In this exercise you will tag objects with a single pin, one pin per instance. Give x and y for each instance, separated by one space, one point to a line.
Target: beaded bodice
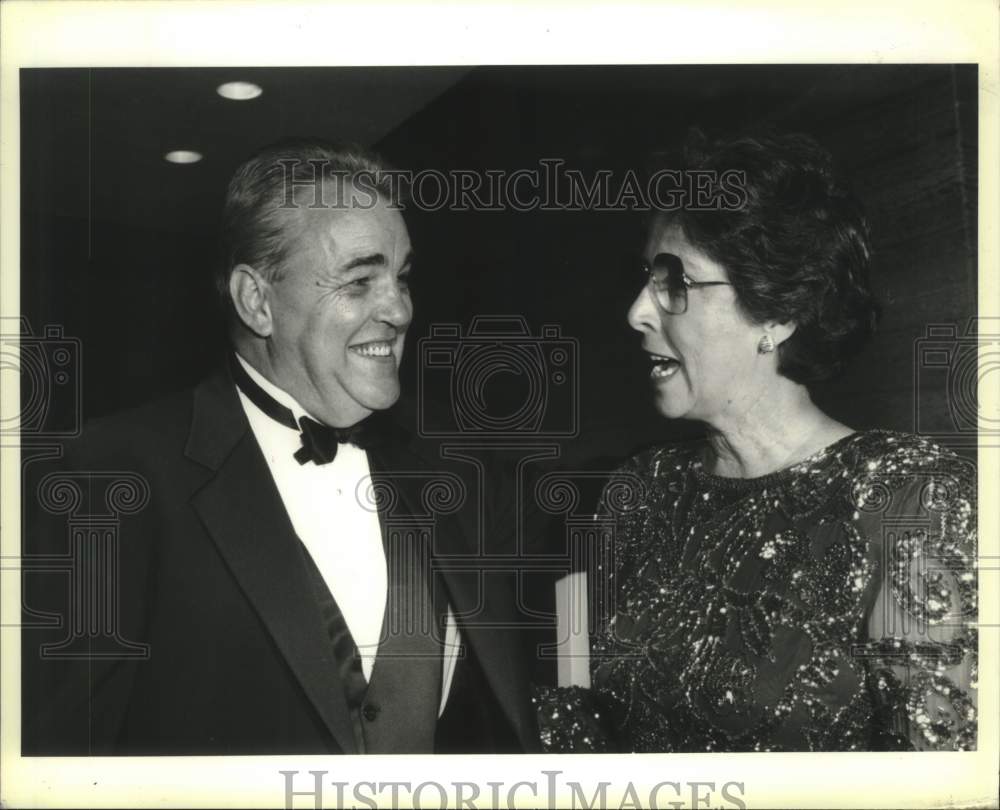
828 606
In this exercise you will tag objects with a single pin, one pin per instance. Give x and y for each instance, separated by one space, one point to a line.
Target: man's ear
249 291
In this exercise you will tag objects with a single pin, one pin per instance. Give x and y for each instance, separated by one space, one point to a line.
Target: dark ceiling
99 135
111 128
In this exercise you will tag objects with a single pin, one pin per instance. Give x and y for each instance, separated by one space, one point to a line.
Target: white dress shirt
344 538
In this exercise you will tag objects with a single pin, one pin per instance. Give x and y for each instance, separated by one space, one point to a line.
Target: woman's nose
643 315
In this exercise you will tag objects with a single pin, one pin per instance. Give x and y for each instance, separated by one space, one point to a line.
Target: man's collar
278 394
219 422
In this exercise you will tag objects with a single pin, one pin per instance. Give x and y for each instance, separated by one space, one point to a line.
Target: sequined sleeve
570 720
922 628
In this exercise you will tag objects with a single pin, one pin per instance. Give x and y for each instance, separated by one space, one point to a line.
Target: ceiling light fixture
183 156
239 91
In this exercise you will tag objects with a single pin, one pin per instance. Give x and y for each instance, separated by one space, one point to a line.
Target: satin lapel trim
244 515
497 654
501 658
382 463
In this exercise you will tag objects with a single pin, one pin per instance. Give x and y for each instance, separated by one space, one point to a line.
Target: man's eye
360 283
403 279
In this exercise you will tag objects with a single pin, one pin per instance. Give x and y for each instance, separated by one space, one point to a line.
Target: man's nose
395 307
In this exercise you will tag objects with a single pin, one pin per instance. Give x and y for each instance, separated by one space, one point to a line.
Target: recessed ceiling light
183 156
239 91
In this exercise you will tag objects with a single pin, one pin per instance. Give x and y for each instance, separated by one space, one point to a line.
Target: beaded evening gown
829 606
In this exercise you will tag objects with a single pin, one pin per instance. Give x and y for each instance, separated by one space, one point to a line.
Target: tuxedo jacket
202 634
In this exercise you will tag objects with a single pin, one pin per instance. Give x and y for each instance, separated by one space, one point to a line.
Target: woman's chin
672 407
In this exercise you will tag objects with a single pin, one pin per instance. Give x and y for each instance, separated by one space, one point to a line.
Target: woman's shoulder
886 462
886 452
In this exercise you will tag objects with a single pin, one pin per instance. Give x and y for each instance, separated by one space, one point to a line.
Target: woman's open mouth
663 367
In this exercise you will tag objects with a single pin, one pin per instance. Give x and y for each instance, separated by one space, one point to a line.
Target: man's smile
374 348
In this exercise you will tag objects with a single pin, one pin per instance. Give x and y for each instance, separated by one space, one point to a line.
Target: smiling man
324 319
279 590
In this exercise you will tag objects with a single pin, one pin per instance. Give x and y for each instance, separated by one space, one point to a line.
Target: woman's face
704 361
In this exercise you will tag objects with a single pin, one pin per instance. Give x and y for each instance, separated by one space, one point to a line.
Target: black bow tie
319 441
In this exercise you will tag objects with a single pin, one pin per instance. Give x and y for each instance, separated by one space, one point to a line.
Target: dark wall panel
901 133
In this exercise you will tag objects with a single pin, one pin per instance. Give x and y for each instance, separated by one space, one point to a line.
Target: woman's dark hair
797 249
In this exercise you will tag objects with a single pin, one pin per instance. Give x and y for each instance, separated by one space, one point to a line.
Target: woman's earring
765 345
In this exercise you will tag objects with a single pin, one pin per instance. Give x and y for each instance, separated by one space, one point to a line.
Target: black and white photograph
396 430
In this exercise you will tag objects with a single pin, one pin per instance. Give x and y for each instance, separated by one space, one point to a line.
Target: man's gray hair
275 179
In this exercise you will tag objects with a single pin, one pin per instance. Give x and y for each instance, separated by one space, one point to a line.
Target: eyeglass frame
687 283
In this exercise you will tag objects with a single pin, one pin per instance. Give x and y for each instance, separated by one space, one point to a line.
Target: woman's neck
782 429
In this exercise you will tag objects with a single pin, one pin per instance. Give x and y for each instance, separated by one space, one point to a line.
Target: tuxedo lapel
392 467
494 638
501 658
245 517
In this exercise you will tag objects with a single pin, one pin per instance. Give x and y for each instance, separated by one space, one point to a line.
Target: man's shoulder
139 448
150 417
158 426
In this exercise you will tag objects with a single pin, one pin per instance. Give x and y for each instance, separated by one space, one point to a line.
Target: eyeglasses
670 284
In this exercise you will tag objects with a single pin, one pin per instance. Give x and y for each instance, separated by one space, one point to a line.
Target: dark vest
396 711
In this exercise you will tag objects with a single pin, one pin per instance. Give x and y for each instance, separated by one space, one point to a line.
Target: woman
788 583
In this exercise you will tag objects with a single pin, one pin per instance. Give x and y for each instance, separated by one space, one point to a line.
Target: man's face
340 311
